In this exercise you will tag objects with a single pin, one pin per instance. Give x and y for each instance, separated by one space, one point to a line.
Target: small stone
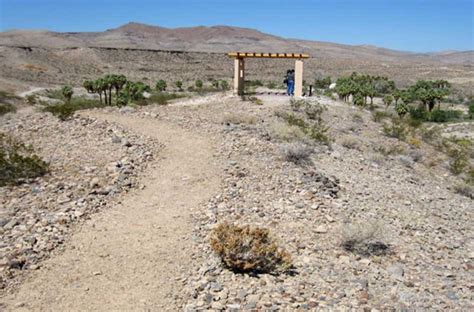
321 229
396 271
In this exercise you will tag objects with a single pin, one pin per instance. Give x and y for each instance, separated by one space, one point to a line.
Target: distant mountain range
217 39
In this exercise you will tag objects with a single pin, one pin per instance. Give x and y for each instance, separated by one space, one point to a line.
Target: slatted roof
267 55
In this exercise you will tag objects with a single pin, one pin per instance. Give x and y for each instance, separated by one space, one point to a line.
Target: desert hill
213 39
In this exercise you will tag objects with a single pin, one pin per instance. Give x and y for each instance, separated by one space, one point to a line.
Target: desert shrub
67 92
314 111
179 85
396 129
62 111
18 162
285 132
322 83
314 129
271 85
445 115
66 110
224 85
459 161
429 135
413 141
365 238
162 98
350 143
249 249
357 118
297 104
31 99
296 152
161 85
465 190
7 108
471 111
55 94
199 84
239 118
420 114
391 149
253 83
378 116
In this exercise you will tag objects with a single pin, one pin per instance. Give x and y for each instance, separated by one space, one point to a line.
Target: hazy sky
411 25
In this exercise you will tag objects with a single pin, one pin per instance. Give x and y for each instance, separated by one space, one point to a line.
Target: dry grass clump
364 238
239 118
465 190
296 152
284 132
249 249
350 143
18 163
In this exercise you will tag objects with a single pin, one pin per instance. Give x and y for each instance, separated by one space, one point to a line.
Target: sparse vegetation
161 85
237 119
249 249
67 92
396 129
296 152
179 85
465 190
66 110
7 108
365 238
18 162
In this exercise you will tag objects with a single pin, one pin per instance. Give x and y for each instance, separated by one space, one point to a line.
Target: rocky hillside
215 39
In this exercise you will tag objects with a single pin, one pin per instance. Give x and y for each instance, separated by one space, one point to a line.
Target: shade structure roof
267 55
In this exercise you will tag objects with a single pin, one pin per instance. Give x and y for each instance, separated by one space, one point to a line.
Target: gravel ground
425 225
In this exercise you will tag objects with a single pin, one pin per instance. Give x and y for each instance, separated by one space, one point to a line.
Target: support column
299 78
239 76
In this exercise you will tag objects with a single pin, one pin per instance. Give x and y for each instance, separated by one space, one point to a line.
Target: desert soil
149 249
127 257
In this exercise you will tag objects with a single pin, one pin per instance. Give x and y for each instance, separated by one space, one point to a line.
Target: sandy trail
129 256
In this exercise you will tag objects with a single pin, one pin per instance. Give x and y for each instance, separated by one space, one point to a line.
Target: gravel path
128 257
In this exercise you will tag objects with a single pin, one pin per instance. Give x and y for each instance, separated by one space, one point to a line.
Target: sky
408 25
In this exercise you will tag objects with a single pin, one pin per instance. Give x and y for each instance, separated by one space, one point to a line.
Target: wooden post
299 78
239 76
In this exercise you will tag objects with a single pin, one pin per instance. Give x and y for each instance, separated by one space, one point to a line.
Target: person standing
290 82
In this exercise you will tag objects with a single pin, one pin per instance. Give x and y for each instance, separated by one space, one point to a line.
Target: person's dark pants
290 87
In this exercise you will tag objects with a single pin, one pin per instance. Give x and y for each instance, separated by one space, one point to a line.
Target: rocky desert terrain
374 215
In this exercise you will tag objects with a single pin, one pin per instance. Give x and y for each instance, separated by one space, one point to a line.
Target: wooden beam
267 55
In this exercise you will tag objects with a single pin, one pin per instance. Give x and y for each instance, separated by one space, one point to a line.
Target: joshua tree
67 92
388 99
179 85
161 85
215 84
89 86
199 84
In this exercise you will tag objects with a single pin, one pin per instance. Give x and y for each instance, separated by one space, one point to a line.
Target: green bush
67 92
18 162
396 129
179 85
435 115
162 98
471 111
249 249
66 110
378 116
199 84
7 108
445 115
161 85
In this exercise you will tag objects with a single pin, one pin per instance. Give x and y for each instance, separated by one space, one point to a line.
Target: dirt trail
129 256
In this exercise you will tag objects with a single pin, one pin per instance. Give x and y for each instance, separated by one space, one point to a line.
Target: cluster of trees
125 90
361 87
161 85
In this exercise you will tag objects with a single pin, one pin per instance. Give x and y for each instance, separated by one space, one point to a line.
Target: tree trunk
110 96
100 96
